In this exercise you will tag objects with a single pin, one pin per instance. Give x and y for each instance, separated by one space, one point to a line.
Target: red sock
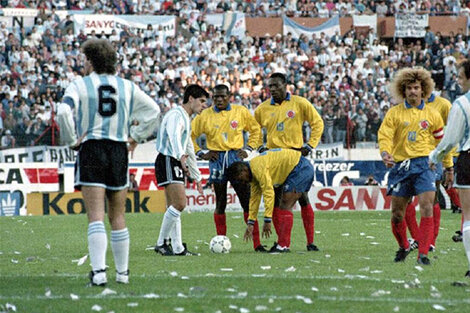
426 234
220 224
308 217
276 221
454 196
286 218
410 218
256 241
436 214
399 231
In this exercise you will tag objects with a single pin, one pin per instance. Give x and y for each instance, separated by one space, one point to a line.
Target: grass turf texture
353 272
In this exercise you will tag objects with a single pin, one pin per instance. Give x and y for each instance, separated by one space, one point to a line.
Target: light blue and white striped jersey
174 133
174 139
457 131
105 107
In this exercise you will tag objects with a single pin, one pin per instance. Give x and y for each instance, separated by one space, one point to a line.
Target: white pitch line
237 276
260 297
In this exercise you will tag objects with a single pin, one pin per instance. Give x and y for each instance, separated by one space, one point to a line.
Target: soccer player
283 116
283 168
96 117
223 125
442 105
458 133
407 135
175 161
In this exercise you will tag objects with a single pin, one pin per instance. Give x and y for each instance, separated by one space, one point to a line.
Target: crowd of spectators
253 8
344 77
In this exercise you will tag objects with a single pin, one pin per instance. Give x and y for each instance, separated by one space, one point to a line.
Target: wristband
251 222
308 147
383 154
267 220
449 169
200 153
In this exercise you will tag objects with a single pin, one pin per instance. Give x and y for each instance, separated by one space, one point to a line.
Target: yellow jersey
224 128
283 122
442 105
409 132
270 169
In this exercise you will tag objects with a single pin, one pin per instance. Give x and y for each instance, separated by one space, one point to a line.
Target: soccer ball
220 244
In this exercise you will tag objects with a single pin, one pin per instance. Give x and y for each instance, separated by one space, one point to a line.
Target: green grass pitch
353 272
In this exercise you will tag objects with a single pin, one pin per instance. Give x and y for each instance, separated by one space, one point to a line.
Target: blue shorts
411 177
301 177
439 171
217 168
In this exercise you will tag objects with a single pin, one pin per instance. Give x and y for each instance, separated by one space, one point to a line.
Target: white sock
97 245
120 246
175 235
466 239
169 219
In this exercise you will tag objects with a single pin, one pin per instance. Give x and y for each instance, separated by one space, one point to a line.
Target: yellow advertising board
60 203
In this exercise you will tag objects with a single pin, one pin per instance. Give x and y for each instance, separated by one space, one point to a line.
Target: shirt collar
409 106
286 99
228 108
432 98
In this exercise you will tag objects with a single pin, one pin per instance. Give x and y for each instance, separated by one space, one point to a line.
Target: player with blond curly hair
408 134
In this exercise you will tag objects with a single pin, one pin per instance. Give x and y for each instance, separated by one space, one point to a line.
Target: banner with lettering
164 25
51 154
411 25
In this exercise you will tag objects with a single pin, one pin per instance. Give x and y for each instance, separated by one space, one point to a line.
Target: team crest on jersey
424 124
290 114
234 124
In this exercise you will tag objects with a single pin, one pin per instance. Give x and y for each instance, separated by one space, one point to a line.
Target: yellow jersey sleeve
196 131
316 124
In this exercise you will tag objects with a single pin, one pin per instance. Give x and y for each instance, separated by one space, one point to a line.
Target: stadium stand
344 76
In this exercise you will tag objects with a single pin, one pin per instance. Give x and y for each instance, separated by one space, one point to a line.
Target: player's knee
397 217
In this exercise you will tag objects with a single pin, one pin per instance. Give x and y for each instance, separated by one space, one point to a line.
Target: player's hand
242 154
248 233
131 144
432 166
210 156
183 164
199 187
267 230
305 151
388 160
77 145
449 178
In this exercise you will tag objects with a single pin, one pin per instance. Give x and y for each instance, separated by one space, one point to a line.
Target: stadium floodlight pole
52 127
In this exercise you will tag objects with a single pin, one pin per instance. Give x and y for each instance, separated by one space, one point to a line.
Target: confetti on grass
96 307
10 307
81 261
438 307
108 291
74 296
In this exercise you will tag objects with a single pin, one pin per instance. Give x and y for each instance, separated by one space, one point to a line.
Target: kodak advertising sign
59 203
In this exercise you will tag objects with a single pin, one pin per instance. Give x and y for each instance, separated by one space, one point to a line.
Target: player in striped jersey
175 160
442 105
458 134
223 125
409 132
96 117
283 116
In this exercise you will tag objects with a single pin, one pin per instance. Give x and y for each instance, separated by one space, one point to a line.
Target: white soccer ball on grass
220 244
